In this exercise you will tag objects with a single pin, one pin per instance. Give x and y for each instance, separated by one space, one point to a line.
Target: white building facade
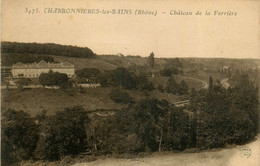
34 70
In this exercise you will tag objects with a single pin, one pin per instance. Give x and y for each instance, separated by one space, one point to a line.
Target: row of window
34 75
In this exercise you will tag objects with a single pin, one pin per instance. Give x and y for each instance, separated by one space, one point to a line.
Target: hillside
46 48
35 100
109 63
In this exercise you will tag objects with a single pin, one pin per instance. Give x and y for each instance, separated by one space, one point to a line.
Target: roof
42 65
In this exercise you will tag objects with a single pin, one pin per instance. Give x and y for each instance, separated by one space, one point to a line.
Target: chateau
34 70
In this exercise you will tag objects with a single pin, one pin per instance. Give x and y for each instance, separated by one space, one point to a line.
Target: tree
122 77
172 86
143 83
87 72
183 88
160 88
210 83
19 135
24 82
53 78
226 116
105 79
168 72
63 134
150 121
120 96
178 130
151 60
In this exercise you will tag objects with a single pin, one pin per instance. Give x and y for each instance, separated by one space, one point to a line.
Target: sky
164 34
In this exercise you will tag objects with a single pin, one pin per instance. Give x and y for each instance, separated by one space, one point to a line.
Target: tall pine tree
151 60
210 83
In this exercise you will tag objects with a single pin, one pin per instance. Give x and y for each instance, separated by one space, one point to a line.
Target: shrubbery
225 116
120 96
160 88
168 72
19 135
122 77
87 73
62 134
175 88
53 78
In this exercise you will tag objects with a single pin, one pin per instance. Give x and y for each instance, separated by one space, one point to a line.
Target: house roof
42 65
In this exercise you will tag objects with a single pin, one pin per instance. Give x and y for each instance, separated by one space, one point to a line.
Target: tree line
47 48
8 59
118 77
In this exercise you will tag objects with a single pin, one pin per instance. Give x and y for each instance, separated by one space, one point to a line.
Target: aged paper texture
95 82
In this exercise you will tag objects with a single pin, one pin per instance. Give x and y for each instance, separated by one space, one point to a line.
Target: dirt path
225 157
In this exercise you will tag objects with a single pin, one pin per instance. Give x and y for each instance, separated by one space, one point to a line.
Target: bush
160 88
119 96
183 88
172 86
168 72
87 72
222 128
24 82
178 134
122 77
144 84
175 88
19 135
51 78
63 134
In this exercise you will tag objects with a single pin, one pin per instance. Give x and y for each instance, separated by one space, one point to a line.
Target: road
187 102
204 86
224 157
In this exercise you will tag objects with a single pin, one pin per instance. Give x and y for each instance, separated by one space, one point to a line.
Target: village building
6 71
33 70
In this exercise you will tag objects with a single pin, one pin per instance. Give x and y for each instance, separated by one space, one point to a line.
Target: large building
34 70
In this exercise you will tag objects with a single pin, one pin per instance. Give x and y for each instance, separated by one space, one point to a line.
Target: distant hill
8 59
47 48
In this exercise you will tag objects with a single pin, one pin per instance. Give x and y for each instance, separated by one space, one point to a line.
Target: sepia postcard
130 82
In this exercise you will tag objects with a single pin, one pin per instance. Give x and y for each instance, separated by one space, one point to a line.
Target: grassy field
35 100
107 62
87 63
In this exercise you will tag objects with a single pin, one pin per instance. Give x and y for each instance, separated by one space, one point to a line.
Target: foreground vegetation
220 117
